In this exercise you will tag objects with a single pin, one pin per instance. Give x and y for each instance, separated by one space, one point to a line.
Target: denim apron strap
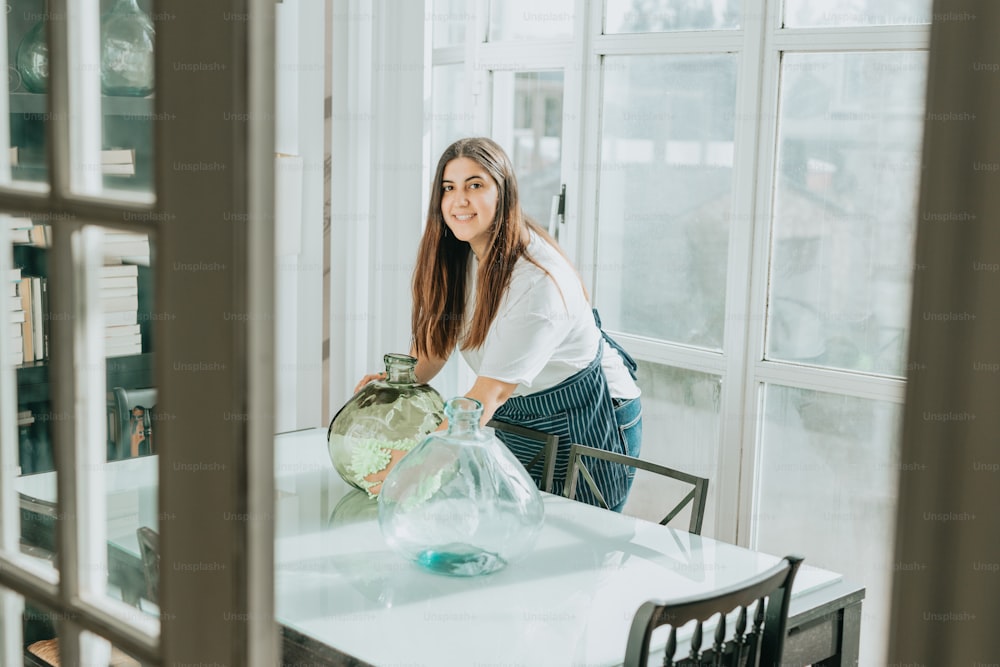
626 357
577 410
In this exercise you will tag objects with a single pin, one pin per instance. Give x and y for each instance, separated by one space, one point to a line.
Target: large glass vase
391 414
460 503
32 57
126 51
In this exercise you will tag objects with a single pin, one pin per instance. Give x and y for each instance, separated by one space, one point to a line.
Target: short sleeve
531 323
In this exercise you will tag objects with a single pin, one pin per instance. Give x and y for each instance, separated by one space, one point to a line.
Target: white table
569 602
340 592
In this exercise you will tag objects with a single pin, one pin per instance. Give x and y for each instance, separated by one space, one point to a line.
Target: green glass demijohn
127 38
32 58
384 415
460 503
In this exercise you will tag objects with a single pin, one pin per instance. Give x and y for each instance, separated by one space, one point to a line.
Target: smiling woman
493 284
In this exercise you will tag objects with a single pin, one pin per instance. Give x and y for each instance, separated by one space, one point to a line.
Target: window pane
27 80
828 473
27 305
665 184
528 123
449 19
127 85
27 628
447 118
845 208
624 16
128 487
531 19
837 13
685 405
30 634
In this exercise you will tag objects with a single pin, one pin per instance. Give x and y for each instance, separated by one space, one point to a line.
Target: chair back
149 550
547 444
130 414
696 497
757 644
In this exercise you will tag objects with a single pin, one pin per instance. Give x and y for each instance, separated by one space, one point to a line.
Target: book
115 292
119 270
45 319
122 350
116 282
27 327
120 304
122 331
118 156
38 319
41 236
118 169
113 319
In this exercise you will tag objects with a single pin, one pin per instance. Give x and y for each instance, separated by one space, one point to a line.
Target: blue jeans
628 414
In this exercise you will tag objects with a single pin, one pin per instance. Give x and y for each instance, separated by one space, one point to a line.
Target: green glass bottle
127 38
385 415
32 57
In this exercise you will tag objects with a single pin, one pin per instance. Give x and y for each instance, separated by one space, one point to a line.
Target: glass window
527 120
627 16
512 20
27 81
448 19
685 405
447 117
837 13
850 130
828 466
665 184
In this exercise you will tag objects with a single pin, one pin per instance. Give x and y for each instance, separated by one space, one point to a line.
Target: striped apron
578 410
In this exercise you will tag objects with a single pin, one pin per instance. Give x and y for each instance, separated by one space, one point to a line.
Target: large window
742 186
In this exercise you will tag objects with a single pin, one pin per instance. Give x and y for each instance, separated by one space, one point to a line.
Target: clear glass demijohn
384 415
460 503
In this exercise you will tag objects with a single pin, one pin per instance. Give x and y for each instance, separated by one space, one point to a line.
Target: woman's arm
491 393
427 366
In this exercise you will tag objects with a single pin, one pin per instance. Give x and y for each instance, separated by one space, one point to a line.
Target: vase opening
400 368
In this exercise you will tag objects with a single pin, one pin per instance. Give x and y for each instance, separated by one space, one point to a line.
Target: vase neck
463 415
400 369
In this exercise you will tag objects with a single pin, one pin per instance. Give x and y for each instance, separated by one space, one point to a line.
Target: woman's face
469 202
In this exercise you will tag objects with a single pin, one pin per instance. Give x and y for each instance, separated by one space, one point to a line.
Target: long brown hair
440 276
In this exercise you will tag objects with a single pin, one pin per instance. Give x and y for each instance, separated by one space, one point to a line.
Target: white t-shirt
544 330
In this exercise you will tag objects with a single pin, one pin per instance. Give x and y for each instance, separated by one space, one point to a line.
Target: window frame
192 629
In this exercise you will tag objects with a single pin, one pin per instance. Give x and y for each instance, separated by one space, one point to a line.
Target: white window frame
224 615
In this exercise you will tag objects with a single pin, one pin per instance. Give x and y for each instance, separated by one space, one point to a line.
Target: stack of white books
12 298
120 303
124 252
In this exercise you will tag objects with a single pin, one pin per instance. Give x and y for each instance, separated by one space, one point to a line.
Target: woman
493 284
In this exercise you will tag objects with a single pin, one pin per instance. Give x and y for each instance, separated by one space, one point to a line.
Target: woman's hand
369 378
376 478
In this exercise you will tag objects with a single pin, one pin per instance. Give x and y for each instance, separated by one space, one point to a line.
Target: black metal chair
760 645
546 455
696 497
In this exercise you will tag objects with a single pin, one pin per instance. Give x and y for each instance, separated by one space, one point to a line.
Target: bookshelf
126 164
